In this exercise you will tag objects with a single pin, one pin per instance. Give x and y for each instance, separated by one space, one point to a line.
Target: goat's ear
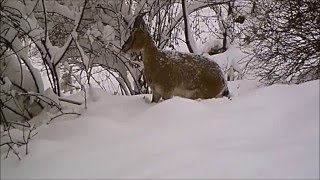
139 22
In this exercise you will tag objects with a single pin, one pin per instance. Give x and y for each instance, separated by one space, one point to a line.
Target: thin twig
51 119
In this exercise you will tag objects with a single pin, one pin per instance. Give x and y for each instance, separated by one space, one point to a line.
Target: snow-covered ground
262 133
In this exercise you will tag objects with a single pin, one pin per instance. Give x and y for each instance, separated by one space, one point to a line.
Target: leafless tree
285 40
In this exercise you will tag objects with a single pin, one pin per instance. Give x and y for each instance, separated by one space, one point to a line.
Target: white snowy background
261 133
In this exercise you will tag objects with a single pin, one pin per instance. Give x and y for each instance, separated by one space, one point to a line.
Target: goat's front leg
155 96
167 95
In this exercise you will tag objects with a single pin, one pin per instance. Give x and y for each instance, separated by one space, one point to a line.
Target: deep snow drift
269 132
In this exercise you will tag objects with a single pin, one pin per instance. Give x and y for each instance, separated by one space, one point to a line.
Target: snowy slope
269 132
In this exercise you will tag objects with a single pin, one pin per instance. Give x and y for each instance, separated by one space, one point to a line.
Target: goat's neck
149 51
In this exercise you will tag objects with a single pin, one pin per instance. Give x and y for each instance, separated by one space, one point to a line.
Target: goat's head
136 41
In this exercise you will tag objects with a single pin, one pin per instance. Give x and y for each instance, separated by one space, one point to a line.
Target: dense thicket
285 40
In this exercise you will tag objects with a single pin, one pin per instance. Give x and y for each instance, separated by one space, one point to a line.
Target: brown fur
176 74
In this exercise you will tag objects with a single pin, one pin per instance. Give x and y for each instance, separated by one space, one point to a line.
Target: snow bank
232 57
265 133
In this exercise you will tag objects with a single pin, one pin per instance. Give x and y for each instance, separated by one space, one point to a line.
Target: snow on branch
191 44
192 7
84 57
55 7
62 51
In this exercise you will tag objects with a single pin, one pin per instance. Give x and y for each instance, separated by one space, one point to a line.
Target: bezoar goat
171 73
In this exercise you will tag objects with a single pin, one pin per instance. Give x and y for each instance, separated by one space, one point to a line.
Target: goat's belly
184 93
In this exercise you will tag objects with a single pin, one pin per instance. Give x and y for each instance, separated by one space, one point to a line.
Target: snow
232 57
262 133
20 74
53 6
5 85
